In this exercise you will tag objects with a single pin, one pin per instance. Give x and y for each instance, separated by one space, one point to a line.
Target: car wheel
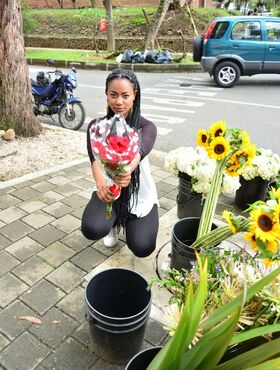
197 48
226 74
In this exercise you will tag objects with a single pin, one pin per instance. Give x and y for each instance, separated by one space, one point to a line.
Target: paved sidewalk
45 262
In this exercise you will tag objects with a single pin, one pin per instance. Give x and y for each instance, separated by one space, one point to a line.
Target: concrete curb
110 66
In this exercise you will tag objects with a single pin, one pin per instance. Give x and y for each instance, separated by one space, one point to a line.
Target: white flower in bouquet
265 164
230 184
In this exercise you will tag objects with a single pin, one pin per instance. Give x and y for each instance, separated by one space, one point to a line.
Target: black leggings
141 232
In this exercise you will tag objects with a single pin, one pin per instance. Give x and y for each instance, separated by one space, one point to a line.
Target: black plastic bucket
118 305
143 359
189 203
250 191
183 235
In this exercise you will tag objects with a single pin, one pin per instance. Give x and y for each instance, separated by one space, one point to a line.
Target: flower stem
211 201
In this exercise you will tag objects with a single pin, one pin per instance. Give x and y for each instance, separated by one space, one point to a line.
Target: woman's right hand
104 193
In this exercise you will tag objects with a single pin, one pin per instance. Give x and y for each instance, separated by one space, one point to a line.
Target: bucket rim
180 221
140 352
113 317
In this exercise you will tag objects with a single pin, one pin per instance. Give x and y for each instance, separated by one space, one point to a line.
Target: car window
219 30
273 31
246 31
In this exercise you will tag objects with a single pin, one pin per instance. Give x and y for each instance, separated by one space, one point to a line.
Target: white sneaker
111 240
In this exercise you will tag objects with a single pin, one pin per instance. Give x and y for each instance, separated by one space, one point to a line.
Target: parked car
237 46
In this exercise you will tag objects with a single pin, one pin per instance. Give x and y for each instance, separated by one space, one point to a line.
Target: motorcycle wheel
75 119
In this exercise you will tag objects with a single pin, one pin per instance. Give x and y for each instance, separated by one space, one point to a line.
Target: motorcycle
56 97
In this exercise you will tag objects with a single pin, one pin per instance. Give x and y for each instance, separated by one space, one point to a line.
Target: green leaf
256 332
252 357
229 307
268 365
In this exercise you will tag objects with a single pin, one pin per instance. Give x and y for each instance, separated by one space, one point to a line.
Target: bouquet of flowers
265 164
115 144
194 165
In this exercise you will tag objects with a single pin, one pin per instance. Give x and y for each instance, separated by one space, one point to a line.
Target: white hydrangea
265 164
196 163
230 184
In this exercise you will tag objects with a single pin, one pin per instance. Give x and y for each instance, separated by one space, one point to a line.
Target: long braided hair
124 204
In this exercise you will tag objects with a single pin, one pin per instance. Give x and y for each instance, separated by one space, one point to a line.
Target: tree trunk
155 23
110 26
16 102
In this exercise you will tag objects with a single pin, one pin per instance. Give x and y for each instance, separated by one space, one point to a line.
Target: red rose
118 144
115 189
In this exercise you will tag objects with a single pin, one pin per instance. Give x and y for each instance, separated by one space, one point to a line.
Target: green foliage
276 12
205 15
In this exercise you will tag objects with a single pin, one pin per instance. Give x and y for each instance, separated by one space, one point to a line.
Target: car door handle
271 47
235 45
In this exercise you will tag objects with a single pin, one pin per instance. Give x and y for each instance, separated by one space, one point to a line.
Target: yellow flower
250 236
245 138
218 148
227 216
202 138
276 214
272 246
217 129
275 194
233 170
265 228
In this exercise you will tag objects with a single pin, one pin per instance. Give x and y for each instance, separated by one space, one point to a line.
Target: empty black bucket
250 191
118 306
183 235
143 359
189 203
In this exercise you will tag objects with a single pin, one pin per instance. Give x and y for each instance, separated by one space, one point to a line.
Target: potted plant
264 168
195 170
201 342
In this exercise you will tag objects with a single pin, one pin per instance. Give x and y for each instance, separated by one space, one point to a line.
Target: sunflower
218 148
276 214
233 170
275 194
217 129
265 228
272 246
228 217
250 236
245 138
202 138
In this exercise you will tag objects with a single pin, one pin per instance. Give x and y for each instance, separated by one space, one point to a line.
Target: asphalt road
182 103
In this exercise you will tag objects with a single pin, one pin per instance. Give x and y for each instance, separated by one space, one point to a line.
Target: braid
122 205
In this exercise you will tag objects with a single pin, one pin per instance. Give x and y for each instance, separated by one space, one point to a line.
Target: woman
137 207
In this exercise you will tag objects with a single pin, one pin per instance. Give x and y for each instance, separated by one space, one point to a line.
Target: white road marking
175 102
178 91
166 109
165 119
163 131
92 86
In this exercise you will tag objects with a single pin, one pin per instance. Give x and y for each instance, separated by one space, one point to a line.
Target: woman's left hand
123 179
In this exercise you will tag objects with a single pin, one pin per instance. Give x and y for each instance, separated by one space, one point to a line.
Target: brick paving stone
42 296
66 277
4 242
54 328
50 197
32 205
25 353
171 180
3 342
82 333
8 200
78 212
25 193
70 355
57 209
39 179
38 219
43 186
59 180
167 203
2 224
7 262
7 190
165 187
75 201
99 246
32 270
11 214
161 212
76 240
73 175
101 365
16 230
172 194
161 173
11 324
88 258
23 184
56 253
24 248
67 223
86 170
154 333
82 183
10 289
87 193
47 235
67 190
74 304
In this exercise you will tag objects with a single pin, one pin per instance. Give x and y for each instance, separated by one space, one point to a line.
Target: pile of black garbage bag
147 56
